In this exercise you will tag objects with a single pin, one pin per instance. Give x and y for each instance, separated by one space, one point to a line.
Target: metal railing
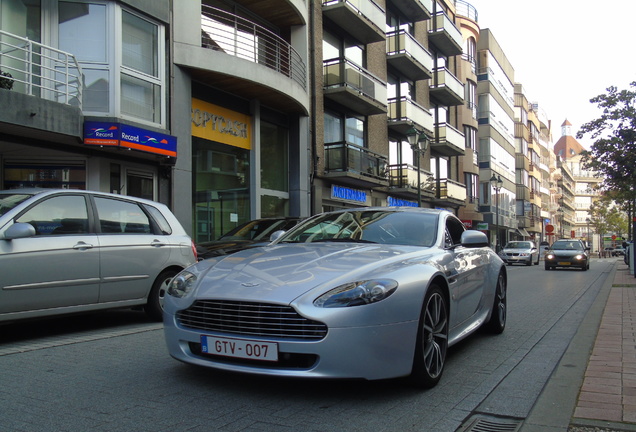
239 37
405 175
341 72
347 157
39 70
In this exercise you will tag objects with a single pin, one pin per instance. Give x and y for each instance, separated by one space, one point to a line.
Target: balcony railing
38 70
409 55
450 141
351 158
445 35
405 113
405 176
239 37
450 189
447 88
364 19
341 74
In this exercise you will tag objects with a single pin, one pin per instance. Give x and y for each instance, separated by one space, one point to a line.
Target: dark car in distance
247 235
567 253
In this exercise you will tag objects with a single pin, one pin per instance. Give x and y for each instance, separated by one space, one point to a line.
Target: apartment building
240 105
85 103
203 105
389 72
495 93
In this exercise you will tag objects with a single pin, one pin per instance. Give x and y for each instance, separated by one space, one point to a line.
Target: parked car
520 252
567 253
247 235
618 251
77 251
367 293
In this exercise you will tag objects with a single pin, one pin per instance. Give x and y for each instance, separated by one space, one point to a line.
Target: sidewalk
594 385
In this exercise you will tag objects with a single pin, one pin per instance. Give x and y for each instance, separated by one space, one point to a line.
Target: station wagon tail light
357 293
194 251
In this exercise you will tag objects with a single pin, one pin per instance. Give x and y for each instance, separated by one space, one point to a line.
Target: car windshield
368 226
256 229
9 201
567 245
518 245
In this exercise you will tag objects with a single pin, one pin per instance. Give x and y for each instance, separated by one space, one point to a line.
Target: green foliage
613 154
5 80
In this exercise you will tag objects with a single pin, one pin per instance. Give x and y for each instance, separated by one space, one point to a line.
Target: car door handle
82 246
157 243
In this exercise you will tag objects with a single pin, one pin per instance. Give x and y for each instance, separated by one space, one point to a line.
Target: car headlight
182 284
357 293
579 257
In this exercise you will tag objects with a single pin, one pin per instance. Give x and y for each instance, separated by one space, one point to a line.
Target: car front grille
250 319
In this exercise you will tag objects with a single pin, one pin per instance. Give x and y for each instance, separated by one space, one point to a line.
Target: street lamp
587 220
419 143
496 183
561 217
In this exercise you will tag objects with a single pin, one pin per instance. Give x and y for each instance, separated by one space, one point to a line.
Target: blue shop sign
122 135
397 202
348 194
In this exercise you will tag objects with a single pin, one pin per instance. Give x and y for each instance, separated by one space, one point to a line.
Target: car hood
516 250
282 273
566 252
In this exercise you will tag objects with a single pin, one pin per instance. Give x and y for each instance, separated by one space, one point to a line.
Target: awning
523 232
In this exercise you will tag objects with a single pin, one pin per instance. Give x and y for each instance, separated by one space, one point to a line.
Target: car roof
48 191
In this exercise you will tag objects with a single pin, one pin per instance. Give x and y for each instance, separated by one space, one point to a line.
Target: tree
613 153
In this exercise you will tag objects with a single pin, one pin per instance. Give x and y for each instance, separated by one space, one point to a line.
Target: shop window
44 175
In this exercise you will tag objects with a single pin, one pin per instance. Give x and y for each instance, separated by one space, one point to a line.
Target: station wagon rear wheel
154 307
432 340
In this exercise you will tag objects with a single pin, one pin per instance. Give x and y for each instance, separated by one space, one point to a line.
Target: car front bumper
369 352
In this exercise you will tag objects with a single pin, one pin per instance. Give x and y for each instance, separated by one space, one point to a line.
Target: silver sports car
367 293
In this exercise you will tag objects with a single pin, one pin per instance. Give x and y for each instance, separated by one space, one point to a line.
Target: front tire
497 322
432 340
154 307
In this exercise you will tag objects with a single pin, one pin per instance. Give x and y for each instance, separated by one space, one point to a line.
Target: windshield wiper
343 240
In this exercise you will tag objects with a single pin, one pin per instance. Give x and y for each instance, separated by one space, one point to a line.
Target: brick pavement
608 393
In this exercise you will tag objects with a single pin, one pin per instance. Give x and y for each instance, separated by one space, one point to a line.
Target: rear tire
154 306
497 322
432 340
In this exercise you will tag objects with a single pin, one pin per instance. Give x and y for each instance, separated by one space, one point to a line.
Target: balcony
446 88
354 87
355 165
449 141
362 19
405 114
416 10
408 56
246 59
452 192
38 70
403 180
445 35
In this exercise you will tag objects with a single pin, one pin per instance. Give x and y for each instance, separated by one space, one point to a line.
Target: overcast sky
565 52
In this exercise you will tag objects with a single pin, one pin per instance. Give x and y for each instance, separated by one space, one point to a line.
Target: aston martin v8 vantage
369 293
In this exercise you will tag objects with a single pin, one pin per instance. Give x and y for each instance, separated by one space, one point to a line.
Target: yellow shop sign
215 123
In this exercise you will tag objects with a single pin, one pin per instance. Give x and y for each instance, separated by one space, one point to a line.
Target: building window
131 86
343 127
141 87
472 187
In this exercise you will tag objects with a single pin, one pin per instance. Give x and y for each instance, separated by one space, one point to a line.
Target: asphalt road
111 372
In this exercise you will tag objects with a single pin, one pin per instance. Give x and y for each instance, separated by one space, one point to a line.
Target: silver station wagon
64 251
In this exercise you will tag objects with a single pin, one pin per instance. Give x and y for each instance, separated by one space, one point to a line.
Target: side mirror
276 235
474 238
19 230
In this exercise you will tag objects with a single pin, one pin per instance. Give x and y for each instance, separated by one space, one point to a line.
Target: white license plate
240 348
